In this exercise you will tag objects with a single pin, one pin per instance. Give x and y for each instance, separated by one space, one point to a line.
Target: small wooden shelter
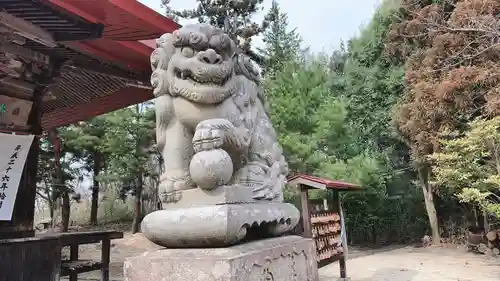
323 221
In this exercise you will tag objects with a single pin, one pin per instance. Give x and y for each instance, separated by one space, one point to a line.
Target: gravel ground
394 263
418 264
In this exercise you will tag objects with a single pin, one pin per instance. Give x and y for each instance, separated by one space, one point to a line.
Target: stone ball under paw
211 168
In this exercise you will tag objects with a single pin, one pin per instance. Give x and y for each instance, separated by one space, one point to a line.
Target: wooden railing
74 265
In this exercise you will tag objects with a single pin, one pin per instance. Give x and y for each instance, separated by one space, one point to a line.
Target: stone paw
171 188
207 138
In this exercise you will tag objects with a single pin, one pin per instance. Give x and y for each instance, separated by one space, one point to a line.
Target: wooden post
306 211
23 215
338 208
73 256
105 255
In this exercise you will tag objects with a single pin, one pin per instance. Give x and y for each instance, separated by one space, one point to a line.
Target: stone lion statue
213 128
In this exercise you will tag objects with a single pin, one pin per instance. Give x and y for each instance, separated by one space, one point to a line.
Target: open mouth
186 74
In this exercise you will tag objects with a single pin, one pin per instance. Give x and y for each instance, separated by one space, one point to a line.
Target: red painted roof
127 25
126 22
321 183
150 43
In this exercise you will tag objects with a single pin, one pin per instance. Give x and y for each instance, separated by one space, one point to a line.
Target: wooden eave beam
66 5
27 30
26 54
95 52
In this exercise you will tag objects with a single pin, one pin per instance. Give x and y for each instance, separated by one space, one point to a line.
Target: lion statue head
195 62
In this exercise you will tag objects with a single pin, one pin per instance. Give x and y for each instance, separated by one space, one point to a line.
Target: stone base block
289 258
199 197
218 225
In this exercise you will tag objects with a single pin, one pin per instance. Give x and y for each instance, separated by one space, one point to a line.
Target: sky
322 24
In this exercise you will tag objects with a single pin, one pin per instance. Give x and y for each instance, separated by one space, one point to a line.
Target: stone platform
288 258
218 225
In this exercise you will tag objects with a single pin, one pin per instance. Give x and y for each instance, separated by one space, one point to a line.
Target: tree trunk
95 188
57 211
138 205
60 185
54 201
51 211
65 211
486 224
423 176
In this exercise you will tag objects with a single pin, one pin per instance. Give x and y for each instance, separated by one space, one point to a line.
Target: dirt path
129 246
418 264
387 264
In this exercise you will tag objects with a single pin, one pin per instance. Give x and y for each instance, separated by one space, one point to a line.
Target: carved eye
187 52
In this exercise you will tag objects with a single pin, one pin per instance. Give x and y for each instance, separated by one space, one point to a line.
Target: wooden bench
74 265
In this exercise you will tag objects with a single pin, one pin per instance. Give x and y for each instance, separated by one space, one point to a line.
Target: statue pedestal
289 258
218 225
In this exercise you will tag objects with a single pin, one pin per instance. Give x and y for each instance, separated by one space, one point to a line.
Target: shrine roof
106 70
123 20
312 182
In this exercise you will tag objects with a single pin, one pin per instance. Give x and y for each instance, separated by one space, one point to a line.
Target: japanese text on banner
13 153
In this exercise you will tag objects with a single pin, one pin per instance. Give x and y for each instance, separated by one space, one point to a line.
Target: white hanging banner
13 153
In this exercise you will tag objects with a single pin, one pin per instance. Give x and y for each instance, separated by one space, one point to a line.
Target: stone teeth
186 74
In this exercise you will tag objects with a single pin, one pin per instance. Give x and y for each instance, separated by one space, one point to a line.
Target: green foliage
374 218
85 140
313 134
49 186
333 115
127 140
281 45
368 48
373 84
469 165
363 169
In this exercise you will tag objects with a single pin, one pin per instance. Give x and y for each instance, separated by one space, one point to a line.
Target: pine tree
127 140
56 178
87 140
281 45
169 12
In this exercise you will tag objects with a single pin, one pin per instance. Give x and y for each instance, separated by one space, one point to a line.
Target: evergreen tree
169 12
56 179
315 133
86 138
127 141
281 45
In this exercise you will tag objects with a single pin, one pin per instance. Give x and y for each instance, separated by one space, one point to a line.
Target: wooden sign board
14 112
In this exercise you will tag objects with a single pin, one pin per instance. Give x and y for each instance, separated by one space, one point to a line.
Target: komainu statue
224 169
